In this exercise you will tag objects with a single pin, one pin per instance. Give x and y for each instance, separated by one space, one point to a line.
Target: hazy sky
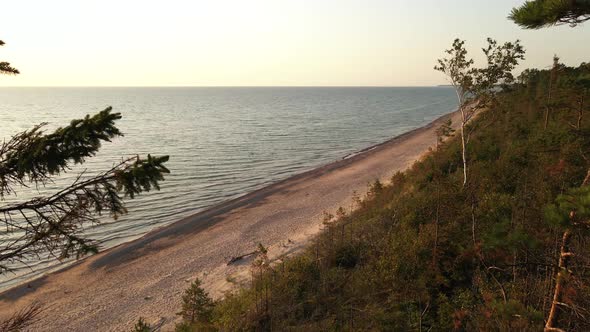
258 42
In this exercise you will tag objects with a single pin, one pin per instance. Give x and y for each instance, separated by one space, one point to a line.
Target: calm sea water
222 142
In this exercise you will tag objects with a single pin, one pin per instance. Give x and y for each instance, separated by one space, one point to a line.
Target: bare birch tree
476 87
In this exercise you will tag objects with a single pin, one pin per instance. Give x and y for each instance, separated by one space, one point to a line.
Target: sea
223 142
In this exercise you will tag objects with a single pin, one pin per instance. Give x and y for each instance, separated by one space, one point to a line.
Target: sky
260 42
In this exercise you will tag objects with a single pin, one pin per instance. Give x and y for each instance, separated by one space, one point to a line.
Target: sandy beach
146 277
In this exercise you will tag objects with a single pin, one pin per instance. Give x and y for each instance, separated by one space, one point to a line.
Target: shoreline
157 267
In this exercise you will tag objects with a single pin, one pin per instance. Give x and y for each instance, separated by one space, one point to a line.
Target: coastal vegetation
426 253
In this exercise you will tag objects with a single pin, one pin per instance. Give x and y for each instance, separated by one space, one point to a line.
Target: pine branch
538 14
7 69
33 157
53 224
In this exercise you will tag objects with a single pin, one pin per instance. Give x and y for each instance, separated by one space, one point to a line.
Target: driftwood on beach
261 250
239 258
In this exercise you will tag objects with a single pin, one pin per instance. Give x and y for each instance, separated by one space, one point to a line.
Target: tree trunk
463 145
564 258
563 271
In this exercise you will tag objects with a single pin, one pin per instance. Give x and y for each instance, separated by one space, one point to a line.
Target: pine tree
538 14
197 306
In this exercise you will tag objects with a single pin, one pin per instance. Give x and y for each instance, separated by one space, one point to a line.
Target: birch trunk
463 145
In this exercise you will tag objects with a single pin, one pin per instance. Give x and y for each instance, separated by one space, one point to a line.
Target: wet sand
146 277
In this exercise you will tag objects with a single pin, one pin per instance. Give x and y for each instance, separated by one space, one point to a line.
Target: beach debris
147 298
240 257
260 250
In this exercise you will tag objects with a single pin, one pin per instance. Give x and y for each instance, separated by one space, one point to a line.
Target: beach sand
146 277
